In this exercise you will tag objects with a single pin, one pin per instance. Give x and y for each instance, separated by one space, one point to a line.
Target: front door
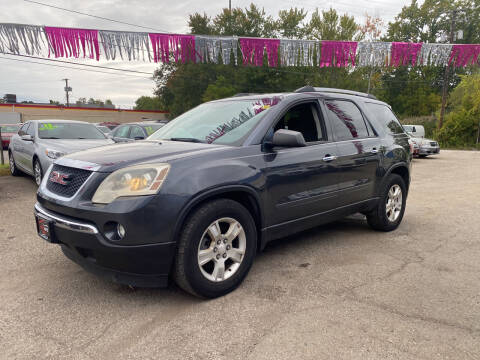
359 151
302 181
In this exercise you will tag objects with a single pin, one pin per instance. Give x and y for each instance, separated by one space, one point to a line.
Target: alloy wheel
221 249
394 204
11 163
38 173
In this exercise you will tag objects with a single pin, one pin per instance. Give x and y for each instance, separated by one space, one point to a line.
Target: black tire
188 274
35 164
377 218
13 167
422 156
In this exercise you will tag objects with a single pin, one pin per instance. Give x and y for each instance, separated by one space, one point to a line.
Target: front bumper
137 265
429 150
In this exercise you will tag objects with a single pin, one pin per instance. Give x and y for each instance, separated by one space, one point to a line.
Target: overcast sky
40 83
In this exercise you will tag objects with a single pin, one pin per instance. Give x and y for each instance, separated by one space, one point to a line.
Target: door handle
328 158
374 151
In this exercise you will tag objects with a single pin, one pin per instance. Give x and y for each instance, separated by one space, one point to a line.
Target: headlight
132 181
425 142
54 154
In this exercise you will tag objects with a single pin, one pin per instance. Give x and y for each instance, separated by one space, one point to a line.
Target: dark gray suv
202 195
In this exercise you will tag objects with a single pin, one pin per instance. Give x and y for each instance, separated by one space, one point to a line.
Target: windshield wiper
50 137
186 139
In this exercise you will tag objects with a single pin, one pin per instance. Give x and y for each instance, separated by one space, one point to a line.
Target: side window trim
23 131
323 125
368 125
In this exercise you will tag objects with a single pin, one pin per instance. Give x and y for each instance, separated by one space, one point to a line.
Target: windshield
408 128
59 130
103 129
223 122
10 128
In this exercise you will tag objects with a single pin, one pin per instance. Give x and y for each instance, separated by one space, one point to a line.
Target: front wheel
216 249
13 167
389 211
37 172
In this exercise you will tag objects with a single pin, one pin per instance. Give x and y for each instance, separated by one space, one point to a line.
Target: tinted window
135 132
59 130
23 129
303 118
383 115
122 131
347 120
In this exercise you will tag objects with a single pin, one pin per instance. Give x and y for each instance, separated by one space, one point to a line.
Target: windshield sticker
47 126
149 130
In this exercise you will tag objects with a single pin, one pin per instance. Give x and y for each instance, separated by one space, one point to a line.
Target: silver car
424 147
39 142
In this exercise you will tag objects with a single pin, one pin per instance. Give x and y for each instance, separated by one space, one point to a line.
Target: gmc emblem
59 178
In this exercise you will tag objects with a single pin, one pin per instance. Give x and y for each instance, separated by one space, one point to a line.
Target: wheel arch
401 169
242 194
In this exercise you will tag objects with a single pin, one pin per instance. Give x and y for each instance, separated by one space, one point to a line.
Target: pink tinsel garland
67 42
338 53
182 47
404 53
464 54
252 51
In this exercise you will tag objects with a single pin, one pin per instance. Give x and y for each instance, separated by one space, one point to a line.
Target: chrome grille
75 179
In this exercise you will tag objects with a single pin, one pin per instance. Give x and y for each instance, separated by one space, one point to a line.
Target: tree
462 123
148 103
289 24
328 25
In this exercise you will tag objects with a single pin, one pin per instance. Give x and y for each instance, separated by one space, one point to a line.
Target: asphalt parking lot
340 291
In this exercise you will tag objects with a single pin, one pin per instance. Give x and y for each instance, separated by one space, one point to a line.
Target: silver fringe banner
434 54
373 53
129 45
30 37
209 49
299 52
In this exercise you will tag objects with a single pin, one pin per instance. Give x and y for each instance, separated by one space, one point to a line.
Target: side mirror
288 138
414 130
26 137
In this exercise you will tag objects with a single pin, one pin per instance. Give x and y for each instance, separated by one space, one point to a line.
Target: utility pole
445 75
230 5
67 90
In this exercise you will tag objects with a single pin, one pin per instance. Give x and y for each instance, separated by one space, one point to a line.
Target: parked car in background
423 147
202 195
417 131
8 130
110 124
39 142
134 131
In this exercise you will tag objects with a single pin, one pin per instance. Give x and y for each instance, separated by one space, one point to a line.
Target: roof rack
335 91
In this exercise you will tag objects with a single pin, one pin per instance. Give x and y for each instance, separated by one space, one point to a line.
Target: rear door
301 181
358 148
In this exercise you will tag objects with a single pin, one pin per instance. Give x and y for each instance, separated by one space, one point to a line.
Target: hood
113 157
68 146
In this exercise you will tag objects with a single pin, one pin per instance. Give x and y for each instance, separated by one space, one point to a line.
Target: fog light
121 231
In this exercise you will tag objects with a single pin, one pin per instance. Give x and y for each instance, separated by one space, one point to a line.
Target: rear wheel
13 167
37 171
216 249
388 213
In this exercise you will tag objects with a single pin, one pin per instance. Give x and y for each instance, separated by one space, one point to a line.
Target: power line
72 68
95 16
74 63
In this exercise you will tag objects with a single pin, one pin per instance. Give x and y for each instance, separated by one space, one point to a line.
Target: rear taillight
410 142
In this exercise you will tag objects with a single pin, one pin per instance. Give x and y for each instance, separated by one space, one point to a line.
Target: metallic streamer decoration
131 45
434 54
253 50
373 53
338 53
299 52
210 48
181 47
464 54
68 42
30 37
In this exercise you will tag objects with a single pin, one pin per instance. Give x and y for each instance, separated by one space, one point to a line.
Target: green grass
4 170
